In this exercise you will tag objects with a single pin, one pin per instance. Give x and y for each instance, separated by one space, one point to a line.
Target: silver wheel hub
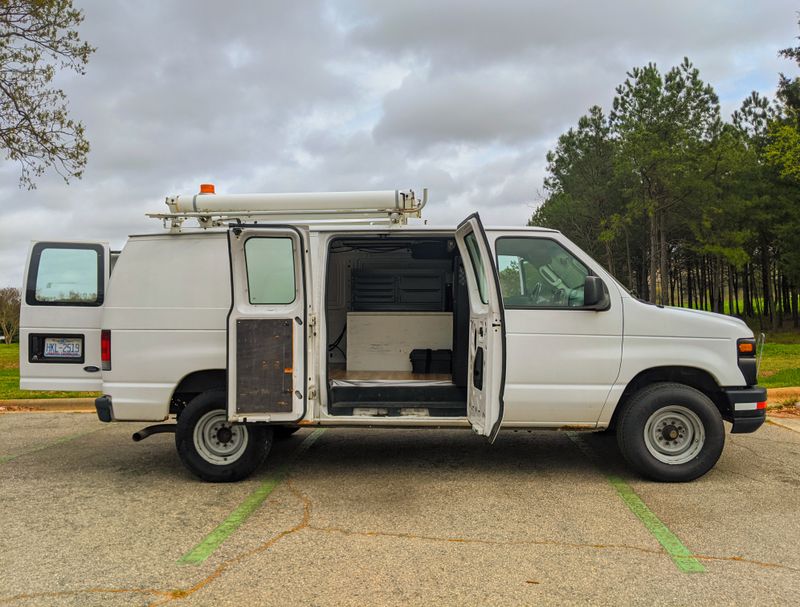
218 441
674 435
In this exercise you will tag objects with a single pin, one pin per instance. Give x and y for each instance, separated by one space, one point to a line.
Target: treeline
684 207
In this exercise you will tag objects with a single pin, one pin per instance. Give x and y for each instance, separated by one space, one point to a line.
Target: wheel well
690 376
195 383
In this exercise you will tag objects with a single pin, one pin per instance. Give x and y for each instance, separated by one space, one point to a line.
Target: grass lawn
9 379
780 367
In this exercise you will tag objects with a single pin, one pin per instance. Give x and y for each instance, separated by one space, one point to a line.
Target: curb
787 392
785 423
73 405
86 405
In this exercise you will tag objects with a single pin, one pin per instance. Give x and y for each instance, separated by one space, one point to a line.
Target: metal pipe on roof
386 200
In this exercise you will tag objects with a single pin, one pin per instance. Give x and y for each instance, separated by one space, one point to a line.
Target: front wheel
215 449
671 432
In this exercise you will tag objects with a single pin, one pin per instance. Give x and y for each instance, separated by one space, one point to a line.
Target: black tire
205 420
670 432
283 432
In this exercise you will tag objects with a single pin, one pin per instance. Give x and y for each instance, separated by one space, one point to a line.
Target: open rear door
267 324
487 338
60 317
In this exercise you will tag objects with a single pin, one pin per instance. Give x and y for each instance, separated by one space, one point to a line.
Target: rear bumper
747 408
105 410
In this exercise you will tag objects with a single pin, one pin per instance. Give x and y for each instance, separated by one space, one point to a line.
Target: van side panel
671 337
167 305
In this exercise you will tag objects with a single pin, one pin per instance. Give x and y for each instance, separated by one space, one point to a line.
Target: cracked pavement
388 517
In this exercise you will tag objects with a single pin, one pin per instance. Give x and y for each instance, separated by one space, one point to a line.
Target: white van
287 310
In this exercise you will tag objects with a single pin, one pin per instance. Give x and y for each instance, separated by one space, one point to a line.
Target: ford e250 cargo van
279 311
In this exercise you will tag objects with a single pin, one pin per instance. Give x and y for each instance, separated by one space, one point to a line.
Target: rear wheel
215 449
671 432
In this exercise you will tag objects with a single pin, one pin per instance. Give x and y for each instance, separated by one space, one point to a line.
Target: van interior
397 313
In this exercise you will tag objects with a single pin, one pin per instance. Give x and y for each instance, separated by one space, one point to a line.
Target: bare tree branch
37 37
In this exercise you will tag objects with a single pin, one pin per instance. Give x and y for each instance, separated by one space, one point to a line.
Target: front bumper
105 411
747 407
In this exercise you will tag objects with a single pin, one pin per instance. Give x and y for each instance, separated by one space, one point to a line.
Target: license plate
63 347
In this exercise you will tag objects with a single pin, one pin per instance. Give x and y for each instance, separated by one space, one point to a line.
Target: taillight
105 349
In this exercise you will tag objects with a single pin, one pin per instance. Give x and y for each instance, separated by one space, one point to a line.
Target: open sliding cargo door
267 324
487 338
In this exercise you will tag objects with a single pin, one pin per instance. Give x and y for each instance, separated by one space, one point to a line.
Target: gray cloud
464 97
509 104
455 34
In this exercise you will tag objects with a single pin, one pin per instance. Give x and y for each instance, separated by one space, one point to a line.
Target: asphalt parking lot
390 517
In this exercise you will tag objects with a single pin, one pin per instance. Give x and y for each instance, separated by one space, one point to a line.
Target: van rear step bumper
747 408
105 411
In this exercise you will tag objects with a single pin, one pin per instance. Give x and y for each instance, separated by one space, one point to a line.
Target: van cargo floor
440 399
400 376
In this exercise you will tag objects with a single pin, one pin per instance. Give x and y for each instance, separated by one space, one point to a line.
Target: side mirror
595 294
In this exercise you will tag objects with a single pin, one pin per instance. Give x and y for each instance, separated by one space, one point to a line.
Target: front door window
539 273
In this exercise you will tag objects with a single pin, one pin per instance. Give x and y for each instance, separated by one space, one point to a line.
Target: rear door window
64 274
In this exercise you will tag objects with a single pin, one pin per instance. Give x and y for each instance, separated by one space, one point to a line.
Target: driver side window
539 273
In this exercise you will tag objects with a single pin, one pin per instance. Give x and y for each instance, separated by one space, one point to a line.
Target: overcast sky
462 97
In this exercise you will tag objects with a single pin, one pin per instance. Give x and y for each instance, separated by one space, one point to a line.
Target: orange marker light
746 347
207 188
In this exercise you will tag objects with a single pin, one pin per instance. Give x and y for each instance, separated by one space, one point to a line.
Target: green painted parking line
684 560
213 540
680 554
64 439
